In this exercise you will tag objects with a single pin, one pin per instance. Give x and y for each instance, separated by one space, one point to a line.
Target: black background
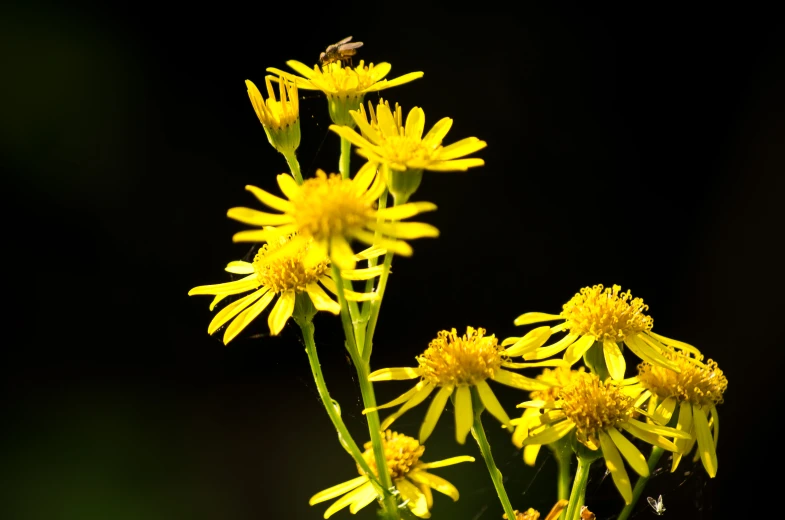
643 148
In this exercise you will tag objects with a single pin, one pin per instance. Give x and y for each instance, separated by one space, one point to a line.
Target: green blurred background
640 147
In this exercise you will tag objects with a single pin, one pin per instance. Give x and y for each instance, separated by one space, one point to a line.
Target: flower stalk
578 493
654 458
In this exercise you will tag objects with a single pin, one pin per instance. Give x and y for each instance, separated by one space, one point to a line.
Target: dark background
643 148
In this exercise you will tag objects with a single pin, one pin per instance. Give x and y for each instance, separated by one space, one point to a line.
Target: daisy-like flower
604 316
345 87
285 277
558 378
327 212
280 119
408 472
596 411
387 140
696 391
455 364
533 514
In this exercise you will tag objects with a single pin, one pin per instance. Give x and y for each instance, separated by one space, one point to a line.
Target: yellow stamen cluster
700 385
530 514
606 314
337 80
400 148
452 360
288 272
402 453
327 207
594 405
559 378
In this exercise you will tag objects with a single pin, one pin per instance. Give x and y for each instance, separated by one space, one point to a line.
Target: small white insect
656 505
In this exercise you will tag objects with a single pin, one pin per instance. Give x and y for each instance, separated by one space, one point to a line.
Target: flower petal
648 354
434 412
239 267
706 447
664 412
546 363
341 253
363 499
353 137
536 317
398 400
233 309
337 490
550 434
437 133
364 177
399 247
406 78
614 359
415 123
674 343
435 482
416 399
552 350
457 165
417 502
660 430
405 230
281 312
634 457
446 462
654 440
321 300
288 186
463 413
347 499
270 200
534 339
578 349
235 287
367 131
461 148
365 273
616 466
394 374
246 317
268 234
405 211
299 67
530 453
518 381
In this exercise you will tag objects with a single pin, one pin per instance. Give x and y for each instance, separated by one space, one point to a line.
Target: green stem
329 405
578 493
369 401
485 448
294 166
377 303
654 458
595 360
346 158
563 454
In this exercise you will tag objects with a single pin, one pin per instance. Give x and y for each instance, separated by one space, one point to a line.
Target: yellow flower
408 473
533 514
697 390
330 211
455 364
558 378
345 87
286 277
601 316
596 410
280 119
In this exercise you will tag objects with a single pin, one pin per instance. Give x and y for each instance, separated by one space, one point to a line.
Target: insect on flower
656 505
341 51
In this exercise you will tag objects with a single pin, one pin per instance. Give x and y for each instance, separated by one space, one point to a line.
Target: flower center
452 360
404 148
330 206
698 385
347 81
558 378
286 273
401 452
593 405
606 314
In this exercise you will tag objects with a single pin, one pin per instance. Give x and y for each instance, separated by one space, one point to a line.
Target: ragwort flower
285 277
596 410
329 211
345 87
696 390
603 316
408 473
533 514
280 119
455 364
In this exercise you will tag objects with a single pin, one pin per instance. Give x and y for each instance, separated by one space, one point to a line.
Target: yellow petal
364 177
534 339
321 300
437 133
530 454
434 412
648 354
446 462
708 454
246 317
634 457
288 185
239 267
491 403
268 234
216 300
341 253
405 230
352 136
347 499
536 317
614 360
362 274
399 247
518 381
664 411
338 490
394 374
463 413
349 295
363 499
715 418
578 349
415 123
552 350
677 344
301 68
546 363
435 482
233 309
317 253
660 430
386 121
684 423
416 399
371 252
281 312
405 211
654 440
271 200
461 148
550 434
235 287
418 504
398 400
616 466
458 165
406 78
367 130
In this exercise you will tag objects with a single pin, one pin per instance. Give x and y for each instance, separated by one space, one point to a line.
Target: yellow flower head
329 211
456 364
696 391
599 316
285 276
280 119
407 471
345 87
533 514
387 140
595 411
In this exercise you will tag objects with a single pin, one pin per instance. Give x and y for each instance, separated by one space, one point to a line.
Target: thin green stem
369 400
578 493
294 167
654 458
485 448
330 406
346 158
563 455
